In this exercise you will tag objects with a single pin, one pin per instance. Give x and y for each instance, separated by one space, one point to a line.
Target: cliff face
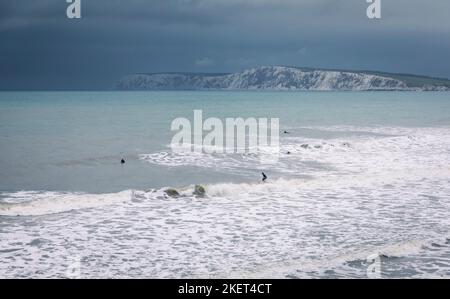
268 78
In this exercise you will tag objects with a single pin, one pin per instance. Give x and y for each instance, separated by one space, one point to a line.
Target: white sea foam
34 203
405 150
384 194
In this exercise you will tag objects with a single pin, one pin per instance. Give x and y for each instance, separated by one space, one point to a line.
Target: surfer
122 161
286 132
264 177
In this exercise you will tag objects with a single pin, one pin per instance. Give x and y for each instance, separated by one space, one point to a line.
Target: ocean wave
281 228
380 196
36 203
346 264
392 149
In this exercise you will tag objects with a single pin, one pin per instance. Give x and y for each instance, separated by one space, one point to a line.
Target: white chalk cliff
268 78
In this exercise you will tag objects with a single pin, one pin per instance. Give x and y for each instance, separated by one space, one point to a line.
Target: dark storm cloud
41 48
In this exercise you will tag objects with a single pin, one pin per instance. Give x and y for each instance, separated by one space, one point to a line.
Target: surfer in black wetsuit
122 161
264 177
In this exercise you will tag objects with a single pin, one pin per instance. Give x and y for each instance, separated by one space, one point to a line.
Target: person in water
122 161
264 177
286 132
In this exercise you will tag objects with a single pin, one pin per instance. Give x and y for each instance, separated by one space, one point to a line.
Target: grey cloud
41 48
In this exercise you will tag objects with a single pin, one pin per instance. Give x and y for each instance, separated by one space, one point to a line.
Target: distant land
284 78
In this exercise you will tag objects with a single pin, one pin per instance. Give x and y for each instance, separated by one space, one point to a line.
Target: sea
363 193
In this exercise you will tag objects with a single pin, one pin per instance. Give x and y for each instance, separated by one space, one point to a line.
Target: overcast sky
40 48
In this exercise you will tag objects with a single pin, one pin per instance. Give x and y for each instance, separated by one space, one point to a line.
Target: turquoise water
72 141
368 174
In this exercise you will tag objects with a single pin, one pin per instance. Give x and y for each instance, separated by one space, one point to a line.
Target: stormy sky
40 48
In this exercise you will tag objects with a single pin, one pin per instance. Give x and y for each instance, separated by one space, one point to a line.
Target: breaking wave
369 193
35 203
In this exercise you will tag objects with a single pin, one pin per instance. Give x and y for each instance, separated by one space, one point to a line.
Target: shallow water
372 182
